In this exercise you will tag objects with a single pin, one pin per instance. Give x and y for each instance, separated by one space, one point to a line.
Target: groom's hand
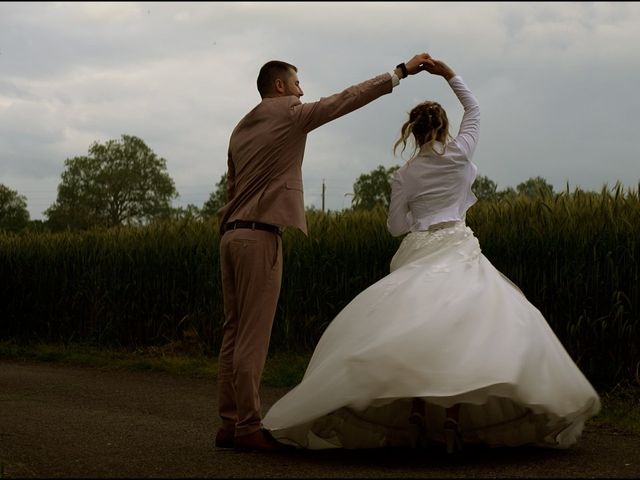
418 63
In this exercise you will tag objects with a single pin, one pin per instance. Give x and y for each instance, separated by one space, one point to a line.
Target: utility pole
323 189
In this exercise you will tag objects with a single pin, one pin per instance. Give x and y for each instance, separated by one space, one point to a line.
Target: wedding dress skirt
445 326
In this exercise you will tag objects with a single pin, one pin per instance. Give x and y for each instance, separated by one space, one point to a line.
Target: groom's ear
278 86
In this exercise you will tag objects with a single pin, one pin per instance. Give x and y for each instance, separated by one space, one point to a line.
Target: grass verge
281 370
620 405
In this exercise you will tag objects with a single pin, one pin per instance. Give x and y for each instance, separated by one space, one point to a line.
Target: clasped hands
424 61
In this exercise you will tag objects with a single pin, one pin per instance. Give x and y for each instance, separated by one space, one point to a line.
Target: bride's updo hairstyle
428 123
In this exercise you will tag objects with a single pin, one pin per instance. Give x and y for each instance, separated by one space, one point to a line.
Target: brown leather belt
252 225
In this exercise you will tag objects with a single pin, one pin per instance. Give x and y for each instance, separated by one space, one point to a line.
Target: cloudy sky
557 84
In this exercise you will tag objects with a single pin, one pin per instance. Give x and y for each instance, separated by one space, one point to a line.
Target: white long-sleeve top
432 188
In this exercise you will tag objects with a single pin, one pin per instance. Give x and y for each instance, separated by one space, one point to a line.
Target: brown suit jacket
264 175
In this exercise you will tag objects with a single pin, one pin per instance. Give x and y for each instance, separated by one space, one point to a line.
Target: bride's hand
438 67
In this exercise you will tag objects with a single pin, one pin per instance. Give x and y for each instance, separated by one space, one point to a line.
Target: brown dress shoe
224 438
260 440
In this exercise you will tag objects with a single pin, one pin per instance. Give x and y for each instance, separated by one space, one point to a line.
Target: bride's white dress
446 326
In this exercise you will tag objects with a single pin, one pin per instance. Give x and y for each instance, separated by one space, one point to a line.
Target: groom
264 195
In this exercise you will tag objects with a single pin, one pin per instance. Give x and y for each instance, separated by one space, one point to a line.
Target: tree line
123 182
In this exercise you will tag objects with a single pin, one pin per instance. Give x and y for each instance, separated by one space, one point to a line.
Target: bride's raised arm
469 132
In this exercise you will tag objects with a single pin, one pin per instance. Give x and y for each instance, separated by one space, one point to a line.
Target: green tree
216 200
484 188
507 193
14 215
373 189
119 183
37 226
535 187
190 212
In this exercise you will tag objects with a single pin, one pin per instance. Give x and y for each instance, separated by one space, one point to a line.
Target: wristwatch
403 68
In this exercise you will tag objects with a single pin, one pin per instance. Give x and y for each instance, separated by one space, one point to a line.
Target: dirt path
61 421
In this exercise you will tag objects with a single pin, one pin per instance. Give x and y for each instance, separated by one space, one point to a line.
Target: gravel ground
63 421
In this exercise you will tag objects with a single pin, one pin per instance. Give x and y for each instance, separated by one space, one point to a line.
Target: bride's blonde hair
428 123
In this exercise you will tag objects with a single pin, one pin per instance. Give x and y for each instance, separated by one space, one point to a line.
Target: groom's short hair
271 71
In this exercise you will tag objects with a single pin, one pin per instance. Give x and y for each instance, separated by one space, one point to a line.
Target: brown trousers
251 264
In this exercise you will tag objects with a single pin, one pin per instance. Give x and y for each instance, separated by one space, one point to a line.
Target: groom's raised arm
310 116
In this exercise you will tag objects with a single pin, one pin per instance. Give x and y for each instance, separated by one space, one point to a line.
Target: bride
445 348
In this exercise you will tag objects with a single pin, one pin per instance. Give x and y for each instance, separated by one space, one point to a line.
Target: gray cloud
555 81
